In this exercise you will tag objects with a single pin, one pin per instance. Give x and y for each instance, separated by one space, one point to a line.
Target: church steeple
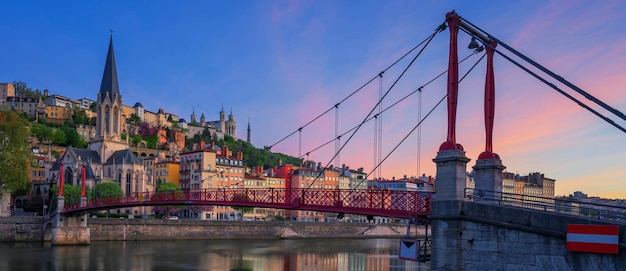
193 114
109 109
109 85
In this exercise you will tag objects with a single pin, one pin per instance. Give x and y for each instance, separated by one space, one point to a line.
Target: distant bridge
388 203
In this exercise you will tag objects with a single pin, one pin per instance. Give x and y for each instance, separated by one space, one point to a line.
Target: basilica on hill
108 157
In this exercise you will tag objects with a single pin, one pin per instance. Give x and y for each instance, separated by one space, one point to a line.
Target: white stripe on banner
592 238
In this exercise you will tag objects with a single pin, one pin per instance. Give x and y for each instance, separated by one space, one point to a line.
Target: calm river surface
316 254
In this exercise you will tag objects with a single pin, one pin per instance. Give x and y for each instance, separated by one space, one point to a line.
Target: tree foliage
14 152
133 119
72 138
258 157
21 89
151 141
58 137
71 193
42 132
62 135
79 116
166 187
107 189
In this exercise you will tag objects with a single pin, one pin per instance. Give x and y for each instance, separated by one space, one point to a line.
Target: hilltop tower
231 124
193 114
248 139
223 120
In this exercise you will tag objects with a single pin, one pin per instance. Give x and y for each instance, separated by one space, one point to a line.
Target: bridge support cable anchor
572 98
453 82
469 26
486 38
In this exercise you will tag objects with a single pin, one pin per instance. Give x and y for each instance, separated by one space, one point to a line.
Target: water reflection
258 255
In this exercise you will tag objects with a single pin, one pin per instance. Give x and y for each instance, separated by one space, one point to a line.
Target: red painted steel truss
389 203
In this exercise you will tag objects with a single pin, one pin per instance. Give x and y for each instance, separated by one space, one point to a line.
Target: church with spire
108 157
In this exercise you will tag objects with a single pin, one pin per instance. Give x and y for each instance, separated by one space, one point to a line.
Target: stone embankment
21 229
31 229
152 229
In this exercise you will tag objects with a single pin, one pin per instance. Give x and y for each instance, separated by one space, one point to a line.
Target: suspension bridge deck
388 203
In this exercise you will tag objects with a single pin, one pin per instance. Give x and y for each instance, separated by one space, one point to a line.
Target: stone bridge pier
67 230
485 235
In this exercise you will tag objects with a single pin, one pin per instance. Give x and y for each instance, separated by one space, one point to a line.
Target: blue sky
281 63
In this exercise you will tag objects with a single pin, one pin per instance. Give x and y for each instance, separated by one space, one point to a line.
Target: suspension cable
380 123
420 121
419 131
558 78
389 107
581 104
383 97
337 137
439 29
375 140
543 80
300 142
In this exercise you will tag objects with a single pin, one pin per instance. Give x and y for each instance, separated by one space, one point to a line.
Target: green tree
170 189
134 139
14 152
133 119
93 107
106 190
79 116
21 89
42 132
166 187
58 137
71 193
72 138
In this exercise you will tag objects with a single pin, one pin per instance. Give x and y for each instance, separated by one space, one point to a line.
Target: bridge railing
558 205
381 202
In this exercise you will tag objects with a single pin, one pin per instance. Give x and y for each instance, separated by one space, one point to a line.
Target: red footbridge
388 203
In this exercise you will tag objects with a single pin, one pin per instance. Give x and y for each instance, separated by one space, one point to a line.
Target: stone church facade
108 157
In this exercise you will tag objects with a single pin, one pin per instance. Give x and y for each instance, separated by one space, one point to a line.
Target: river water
258 255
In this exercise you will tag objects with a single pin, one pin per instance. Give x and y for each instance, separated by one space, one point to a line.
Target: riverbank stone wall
21 229
154 229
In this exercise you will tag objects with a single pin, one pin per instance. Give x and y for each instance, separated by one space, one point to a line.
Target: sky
280 64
